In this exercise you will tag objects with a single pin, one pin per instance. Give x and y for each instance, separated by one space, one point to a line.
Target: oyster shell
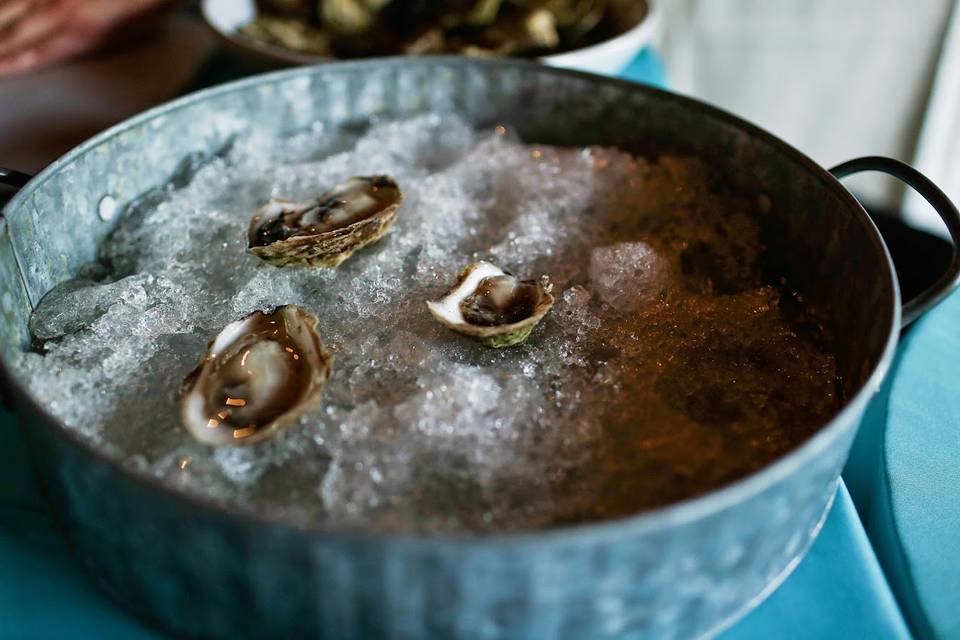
327 230
259 374
493 306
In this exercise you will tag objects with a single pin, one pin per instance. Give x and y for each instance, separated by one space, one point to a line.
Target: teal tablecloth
838 591
904 473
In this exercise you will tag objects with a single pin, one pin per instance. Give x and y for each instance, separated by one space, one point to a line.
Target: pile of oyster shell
351 28
265 370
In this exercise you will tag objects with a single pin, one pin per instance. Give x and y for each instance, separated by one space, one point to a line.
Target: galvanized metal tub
687 570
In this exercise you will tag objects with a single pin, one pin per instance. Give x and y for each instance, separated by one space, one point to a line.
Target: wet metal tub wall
683 571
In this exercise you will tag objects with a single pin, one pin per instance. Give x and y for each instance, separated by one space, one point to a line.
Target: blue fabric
646 68
916 515
838 591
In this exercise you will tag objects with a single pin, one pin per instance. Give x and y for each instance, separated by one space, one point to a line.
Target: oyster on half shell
325 231
493 306
259 374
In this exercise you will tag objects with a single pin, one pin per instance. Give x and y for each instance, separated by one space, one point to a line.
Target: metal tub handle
950 280
14 179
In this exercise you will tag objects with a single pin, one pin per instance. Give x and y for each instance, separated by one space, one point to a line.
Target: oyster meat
259 374
493 306
327 230
362 28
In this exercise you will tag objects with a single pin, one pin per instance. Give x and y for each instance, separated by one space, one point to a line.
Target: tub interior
815 237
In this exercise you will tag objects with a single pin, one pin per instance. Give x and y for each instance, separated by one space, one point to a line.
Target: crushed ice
420 428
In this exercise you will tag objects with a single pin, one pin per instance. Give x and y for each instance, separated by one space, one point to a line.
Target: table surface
838 591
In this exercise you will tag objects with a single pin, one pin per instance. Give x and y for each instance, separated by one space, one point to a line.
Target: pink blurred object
38 33
45 113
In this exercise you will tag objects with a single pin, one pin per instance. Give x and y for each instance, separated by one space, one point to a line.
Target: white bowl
611 56
608 57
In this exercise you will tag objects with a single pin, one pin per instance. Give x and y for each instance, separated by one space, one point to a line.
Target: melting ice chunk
627 275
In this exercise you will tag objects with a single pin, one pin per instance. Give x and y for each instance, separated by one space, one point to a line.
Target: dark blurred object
920 257
223 65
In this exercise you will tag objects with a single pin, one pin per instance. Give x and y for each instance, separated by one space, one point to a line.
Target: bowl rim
643 33
667 516
272 51
642 30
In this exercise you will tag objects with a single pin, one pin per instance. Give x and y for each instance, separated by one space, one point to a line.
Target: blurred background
836 80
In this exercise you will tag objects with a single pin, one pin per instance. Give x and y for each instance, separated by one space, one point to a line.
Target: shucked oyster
327 230
260 374
493 306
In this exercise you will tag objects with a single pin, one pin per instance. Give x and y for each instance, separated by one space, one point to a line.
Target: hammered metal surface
14 305
680 572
